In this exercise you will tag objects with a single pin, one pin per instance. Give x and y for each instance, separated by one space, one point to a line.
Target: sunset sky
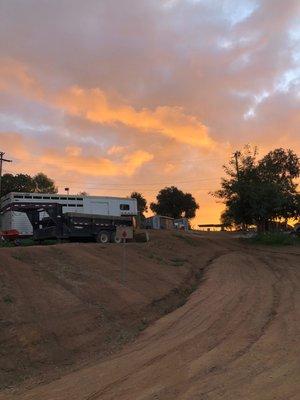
115 96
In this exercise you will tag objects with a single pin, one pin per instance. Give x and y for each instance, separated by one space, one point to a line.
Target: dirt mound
64 305
237 336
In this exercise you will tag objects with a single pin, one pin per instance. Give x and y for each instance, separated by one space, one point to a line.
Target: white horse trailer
96 205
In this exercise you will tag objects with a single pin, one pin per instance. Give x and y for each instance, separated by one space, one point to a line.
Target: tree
25 183
141 203
257 192
17 183
227 219
43 184
174 203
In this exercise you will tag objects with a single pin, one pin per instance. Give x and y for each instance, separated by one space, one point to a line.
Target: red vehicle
10 235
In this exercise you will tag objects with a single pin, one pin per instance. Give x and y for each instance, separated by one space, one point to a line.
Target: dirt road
237 337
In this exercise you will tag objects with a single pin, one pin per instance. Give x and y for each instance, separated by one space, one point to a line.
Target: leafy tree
258 192
141 203
43 184
227 219
174 203
17 183
25 183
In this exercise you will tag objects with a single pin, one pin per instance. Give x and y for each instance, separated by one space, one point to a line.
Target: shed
182 224
159 222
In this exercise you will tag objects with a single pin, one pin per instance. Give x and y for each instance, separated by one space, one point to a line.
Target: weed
143 325
19 257
8 300
178 262
188 239
6 244
275 239
157 259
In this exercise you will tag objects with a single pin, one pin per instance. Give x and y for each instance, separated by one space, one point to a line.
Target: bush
275 239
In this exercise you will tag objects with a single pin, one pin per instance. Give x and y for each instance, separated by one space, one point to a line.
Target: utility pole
236 156
2 160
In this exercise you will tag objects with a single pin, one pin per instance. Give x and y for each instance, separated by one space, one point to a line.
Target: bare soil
236 337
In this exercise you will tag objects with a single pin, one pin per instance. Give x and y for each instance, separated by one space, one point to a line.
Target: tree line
39 183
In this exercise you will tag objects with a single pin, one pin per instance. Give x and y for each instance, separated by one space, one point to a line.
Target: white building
98 205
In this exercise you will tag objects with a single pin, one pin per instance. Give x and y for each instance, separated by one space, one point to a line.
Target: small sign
124 232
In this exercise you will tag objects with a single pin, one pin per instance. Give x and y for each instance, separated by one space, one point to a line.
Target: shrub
275 239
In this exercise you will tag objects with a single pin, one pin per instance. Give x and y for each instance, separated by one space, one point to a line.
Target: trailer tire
103 237
115 238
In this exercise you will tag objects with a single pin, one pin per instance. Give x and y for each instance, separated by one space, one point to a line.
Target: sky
115 96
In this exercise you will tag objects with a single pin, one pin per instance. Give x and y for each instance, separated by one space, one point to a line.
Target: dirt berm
236 337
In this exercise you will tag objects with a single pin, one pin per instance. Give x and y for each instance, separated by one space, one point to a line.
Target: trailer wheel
103 237
115 238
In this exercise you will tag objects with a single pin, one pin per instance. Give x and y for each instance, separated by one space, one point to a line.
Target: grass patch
178 262
27 242
156 258
20 257
8 300
6 244
275 239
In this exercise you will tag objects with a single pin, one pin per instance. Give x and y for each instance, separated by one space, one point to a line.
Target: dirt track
237 337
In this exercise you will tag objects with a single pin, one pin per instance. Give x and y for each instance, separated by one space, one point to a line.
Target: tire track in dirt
237 337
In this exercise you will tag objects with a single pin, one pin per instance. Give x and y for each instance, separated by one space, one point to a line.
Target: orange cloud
172 122
113 150
15 145
15 77
71 160
95 166
94 105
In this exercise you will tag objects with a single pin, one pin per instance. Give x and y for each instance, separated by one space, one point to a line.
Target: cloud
71 159
94 105
116 150
15 145
146 91
15 77
172 122
95 166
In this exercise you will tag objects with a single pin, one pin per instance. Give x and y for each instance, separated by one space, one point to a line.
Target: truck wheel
103 237
115 238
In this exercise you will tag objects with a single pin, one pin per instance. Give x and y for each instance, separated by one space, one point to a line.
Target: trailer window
79 205
36 197
18 197
46 197
71 205
54 198
28 197
71 198
124 207
79 198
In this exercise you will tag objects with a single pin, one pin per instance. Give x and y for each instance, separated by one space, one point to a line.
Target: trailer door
99 207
